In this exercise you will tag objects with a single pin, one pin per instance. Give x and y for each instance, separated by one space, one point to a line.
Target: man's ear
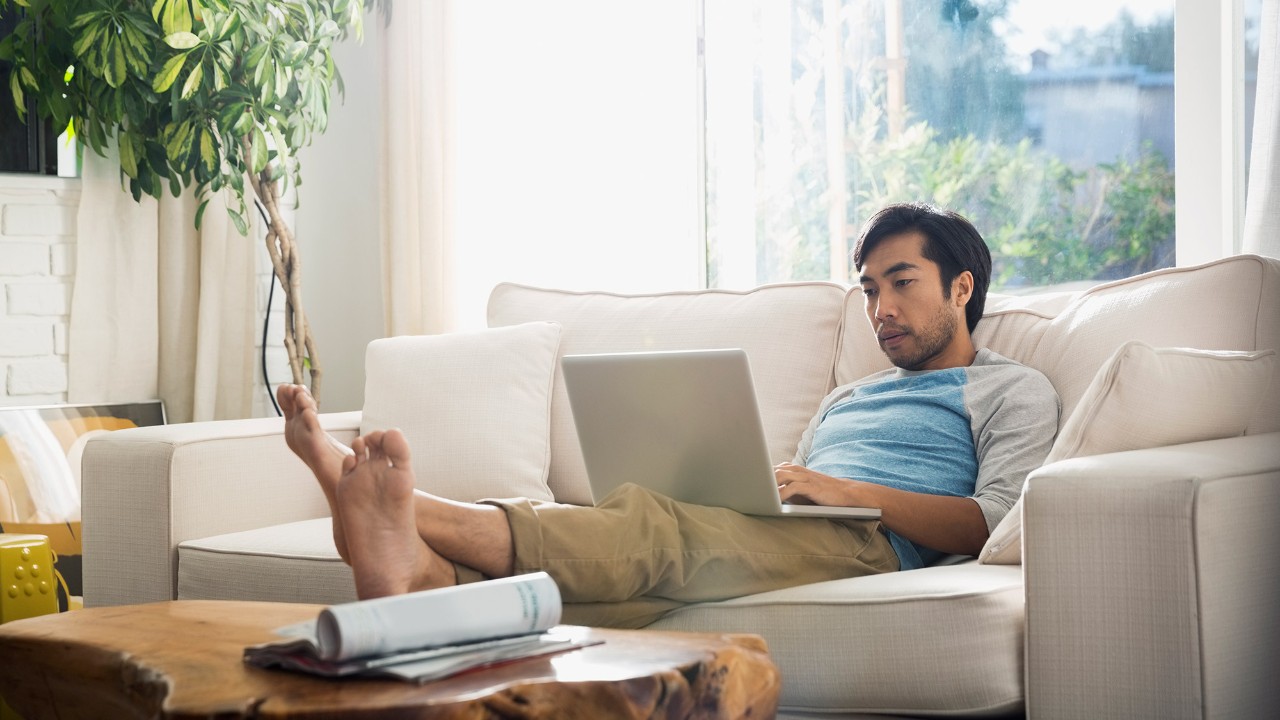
962 288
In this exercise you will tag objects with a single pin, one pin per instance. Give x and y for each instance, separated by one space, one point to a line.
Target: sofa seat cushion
294 562
938 640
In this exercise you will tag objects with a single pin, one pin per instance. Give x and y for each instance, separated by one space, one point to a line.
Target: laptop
684 424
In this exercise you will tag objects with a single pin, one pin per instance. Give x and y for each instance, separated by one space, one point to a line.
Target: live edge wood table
182 659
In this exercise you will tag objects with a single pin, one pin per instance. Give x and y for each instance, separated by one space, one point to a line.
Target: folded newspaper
427 635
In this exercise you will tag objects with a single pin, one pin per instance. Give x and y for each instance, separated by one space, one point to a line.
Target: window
32 146
1049 125
24 147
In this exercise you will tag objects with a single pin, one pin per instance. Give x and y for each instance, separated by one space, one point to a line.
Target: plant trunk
287 265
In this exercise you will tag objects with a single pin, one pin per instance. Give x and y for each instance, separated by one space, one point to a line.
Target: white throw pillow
474 406
1144 397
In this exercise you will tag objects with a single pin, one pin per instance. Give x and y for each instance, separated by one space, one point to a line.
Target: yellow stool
27 583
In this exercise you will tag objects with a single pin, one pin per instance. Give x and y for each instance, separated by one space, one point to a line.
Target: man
941 444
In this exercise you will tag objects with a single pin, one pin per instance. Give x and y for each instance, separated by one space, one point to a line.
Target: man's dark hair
951 241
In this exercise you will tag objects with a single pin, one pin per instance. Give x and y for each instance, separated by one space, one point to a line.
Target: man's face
917 327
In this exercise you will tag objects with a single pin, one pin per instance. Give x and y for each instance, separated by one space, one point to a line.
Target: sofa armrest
1153 582
147 489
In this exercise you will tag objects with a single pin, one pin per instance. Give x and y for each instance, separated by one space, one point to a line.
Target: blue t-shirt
973 431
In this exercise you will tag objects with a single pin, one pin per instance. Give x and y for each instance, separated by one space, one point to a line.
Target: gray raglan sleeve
1015 418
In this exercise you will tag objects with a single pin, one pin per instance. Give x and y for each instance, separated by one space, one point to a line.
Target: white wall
37 255
338 227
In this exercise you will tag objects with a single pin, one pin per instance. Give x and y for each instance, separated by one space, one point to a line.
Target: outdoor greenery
964 147
213 95
1045 222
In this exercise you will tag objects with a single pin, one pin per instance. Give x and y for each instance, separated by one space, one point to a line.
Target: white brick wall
37 267
37 235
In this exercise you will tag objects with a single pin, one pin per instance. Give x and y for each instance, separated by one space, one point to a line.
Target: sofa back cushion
790 332
1230 304
1009 325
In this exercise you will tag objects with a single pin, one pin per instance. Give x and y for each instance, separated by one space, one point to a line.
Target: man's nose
885 310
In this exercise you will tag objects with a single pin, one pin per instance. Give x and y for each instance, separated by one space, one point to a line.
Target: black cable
266 321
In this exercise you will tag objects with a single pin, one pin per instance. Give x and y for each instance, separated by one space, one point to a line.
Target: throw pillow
1144 397
475 407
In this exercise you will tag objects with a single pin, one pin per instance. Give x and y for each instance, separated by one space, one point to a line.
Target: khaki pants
638 555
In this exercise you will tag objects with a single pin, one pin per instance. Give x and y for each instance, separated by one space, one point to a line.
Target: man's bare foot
317 448
375 497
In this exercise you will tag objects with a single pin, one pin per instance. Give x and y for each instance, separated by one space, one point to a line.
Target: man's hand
799 484
952 525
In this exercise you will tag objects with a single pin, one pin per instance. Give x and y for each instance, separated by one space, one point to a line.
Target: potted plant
210 95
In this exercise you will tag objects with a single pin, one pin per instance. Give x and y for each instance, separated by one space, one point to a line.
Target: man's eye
903 283
869 292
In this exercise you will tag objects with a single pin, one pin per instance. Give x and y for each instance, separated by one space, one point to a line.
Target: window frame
1208 116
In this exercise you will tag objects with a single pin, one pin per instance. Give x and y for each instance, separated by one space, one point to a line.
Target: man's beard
930 341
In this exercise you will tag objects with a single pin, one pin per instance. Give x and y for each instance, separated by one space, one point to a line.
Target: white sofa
1151 578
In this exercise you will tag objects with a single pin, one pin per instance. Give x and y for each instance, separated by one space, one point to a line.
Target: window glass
31 146
1050 125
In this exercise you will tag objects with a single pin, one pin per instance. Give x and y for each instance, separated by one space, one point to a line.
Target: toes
284 397
396 448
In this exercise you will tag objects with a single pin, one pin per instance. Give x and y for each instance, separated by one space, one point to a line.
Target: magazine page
518 605
422 665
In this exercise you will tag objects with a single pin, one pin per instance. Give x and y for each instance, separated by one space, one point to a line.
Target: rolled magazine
426 635
518 605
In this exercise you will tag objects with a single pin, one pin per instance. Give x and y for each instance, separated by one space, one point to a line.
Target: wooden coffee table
182 659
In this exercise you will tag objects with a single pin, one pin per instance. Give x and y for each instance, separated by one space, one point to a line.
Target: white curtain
418 141
158 309
1262 213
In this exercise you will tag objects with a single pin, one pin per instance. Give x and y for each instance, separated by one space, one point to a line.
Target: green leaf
89 18
87 39
19 103
220 78
177 17
242 125
169 73
238 221
200 212
259 150
182 40
128 160
193 81
282 147
114 70
208 154
28 78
